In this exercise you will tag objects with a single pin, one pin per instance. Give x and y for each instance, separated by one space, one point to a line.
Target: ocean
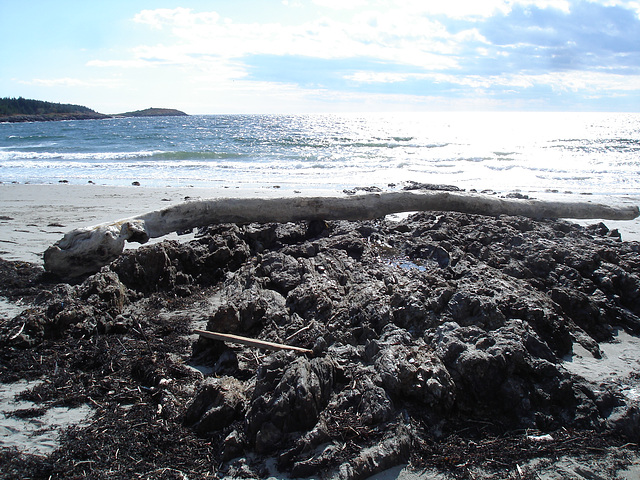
581 153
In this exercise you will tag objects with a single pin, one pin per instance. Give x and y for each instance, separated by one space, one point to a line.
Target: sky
306 56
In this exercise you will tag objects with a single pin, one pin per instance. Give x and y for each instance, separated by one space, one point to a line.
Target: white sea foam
11 158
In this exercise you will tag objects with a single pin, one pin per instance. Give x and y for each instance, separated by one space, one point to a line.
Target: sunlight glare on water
580 152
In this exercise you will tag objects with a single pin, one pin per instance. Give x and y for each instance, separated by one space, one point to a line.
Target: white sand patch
619 359
35 432
10 309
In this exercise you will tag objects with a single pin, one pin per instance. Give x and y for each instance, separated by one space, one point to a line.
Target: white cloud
469 9
179 17
72 82
385 77
418 37
342 4
473 81
562 5
576 81
592 82
387 36
453 8
404 31
383 35
269 97
136 63
628 4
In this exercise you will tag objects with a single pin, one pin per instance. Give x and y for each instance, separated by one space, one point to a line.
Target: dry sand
33 217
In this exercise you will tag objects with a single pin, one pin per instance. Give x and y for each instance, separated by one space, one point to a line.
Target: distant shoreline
19 110
57 117
53 117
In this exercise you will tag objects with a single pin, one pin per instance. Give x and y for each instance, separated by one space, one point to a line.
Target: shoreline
35 216
61 117
52 117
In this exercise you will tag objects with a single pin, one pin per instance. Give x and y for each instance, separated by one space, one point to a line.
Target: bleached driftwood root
86 250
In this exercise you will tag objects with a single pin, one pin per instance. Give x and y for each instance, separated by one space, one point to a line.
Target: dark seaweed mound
438 342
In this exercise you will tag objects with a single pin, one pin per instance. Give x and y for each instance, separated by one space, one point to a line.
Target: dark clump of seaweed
435 342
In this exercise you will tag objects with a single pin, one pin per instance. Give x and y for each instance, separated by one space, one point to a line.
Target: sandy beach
33 217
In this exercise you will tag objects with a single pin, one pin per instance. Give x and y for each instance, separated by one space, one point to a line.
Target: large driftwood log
86 250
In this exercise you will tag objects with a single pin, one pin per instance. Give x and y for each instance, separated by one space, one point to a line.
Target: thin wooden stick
250 342
299 331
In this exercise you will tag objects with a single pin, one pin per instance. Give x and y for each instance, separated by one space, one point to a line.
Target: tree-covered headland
25 106
23 109
26 110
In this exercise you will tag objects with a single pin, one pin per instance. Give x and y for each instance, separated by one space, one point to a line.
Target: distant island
27 110
154 112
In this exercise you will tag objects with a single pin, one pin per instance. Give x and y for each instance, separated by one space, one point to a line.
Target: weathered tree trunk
86 250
